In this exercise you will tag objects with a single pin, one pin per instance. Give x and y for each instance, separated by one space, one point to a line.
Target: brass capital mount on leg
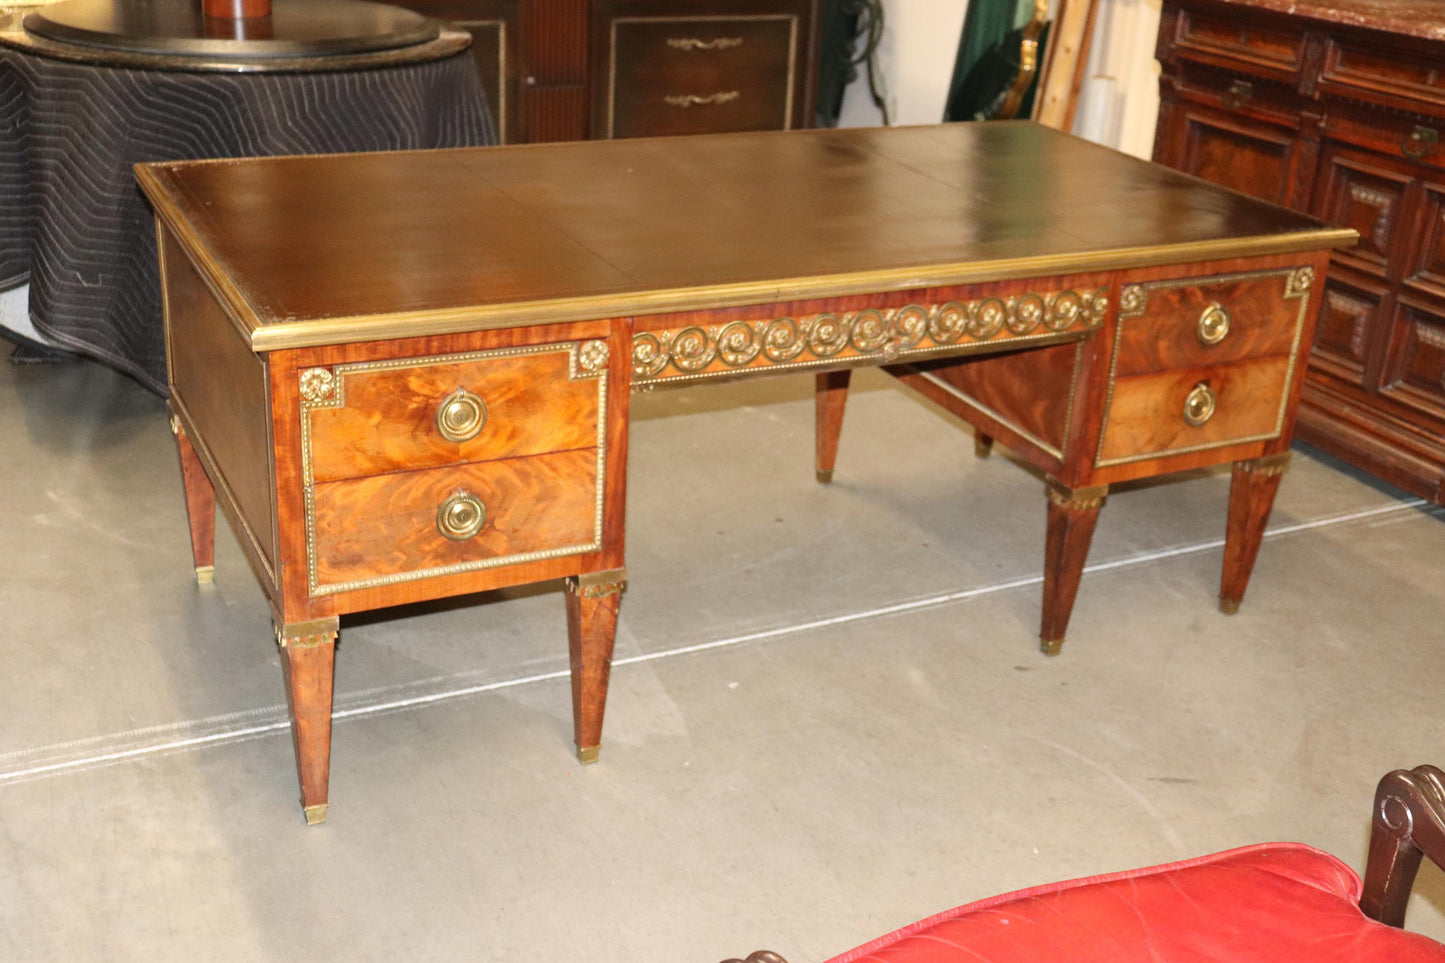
307 635
596 585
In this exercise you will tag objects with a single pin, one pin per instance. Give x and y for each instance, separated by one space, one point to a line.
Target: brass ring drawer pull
1420 142
1199 405
461 516
1214 324
1238 94
688 100
461 416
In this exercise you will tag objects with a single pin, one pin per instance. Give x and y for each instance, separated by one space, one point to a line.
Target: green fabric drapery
986 65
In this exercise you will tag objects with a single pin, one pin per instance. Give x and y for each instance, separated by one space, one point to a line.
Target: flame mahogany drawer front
425 523
423 467
425 413
1203 363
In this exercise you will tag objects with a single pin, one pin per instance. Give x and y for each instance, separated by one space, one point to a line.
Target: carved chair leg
829 398
1251 496
592 603
308 659
200 505
1409 822
982 444
1072 516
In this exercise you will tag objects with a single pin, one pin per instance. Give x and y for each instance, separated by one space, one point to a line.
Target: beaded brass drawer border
1134 300
326 388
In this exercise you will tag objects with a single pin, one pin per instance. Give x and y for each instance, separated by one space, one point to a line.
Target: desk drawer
426 523
1193 408
1213 321
695 75
398 416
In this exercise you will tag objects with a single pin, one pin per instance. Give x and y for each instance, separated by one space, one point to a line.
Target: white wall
1120 98
920 40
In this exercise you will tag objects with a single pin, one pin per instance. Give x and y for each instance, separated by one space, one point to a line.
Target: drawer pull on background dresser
1199 405
1238 94
461 516
462 416
688 100
1420 141
1214 324
692 43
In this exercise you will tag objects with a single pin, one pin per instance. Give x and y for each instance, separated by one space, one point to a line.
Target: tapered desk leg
1251 496
308 658
828 399
200 505
982 444
592 603
1072 515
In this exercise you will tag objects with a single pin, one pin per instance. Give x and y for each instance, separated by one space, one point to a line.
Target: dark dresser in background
1336 109
574 69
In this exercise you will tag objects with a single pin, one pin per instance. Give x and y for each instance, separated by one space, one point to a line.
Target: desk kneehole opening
461 516
1200 405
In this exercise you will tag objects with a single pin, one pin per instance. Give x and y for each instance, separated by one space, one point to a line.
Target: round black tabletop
178 28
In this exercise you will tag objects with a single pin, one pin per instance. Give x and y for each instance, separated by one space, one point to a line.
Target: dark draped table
73 225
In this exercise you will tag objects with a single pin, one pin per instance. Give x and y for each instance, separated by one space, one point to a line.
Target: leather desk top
308 251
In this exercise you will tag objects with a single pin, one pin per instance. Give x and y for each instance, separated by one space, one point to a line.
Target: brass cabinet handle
688 100
692 43
1214 324
1238 94
461 516
1199 405
1420 141
461 416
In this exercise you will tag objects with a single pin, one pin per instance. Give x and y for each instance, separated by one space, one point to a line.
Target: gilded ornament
592 355
872 333
1299 283
317 384
883 334
1133 299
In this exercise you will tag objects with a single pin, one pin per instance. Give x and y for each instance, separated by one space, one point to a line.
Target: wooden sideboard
1337 109
578 69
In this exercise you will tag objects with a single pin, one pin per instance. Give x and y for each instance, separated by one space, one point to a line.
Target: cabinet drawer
1243 93
693 75
448 410
389 528
1185 324
1244 41
1389 71
1149 415
1394 135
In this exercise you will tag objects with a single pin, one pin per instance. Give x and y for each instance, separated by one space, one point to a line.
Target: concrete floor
828 716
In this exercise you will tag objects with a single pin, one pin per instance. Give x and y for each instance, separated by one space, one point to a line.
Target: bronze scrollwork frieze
883 334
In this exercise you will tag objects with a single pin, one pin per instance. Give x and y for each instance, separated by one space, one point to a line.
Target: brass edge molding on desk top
317 332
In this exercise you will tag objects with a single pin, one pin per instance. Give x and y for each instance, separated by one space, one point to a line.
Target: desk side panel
219 385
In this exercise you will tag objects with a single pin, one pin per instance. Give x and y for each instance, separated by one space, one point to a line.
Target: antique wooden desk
407 375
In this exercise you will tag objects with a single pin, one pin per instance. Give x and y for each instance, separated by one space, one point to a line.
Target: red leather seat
1271 903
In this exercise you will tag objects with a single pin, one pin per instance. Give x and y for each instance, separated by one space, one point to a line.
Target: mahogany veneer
406 376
